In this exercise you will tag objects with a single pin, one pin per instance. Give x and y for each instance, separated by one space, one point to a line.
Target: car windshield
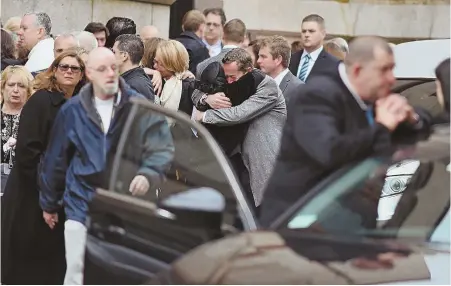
406 198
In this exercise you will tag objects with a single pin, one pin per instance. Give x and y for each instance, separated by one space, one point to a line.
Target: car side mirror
197 208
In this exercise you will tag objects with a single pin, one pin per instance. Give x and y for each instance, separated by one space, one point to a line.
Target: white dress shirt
280 76
347 83
41 56
214 49
313 57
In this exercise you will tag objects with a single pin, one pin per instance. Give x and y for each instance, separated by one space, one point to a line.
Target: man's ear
41 32
183 28
324 33
279 59
125 57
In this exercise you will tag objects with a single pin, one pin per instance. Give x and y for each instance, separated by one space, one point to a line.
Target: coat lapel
318 63
284 83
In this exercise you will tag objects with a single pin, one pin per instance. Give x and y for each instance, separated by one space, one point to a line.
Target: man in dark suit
334 124
273 59
193 30
313 60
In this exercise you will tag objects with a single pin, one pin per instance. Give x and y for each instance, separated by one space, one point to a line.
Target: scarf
172 92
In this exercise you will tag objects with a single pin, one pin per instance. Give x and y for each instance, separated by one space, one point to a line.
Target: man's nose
111 73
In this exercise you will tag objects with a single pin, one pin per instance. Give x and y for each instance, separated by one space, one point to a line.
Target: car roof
418 59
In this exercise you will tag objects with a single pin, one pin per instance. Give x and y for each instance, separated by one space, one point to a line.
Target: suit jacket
289 86
326 64
218 58
326 128
266 112
197 50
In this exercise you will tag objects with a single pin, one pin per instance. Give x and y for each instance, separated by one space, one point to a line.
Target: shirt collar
229 47
280 76
344 77
313 55
215 45
42 45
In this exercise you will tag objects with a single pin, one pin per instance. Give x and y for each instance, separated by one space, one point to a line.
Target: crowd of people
285 115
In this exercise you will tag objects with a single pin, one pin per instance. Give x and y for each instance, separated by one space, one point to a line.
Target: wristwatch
203 98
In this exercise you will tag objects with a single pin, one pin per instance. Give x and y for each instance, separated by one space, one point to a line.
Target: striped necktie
370 115
304 68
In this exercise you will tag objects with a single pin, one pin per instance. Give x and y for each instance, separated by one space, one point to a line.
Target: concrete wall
72 15
351 19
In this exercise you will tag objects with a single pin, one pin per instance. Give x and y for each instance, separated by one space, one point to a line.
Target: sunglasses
65 68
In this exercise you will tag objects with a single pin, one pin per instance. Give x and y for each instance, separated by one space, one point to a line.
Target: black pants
243 177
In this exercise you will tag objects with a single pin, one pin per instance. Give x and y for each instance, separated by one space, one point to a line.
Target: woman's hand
157 80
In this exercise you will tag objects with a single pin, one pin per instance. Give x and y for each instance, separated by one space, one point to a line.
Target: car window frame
411 82
283 220
244 210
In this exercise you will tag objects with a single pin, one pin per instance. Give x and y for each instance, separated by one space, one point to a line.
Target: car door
131 238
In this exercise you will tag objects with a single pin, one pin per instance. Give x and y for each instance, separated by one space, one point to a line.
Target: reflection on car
396 181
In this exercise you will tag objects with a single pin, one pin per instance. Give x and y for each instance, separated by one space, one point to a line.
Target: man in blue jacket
83 140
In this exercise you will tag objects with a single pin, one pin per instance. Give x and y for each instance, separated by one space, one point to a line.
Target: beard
111 88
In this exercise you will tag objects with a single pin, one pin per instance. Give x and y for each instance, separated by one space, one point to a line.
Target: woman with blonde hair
16 88
32 253
172 61
13 26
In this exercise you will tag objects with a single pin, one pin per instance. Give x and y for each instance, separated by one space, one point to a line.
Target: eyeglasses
65 68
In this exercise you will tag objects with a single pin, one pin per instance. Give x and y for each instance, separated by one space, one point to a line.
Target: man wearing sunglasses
81 149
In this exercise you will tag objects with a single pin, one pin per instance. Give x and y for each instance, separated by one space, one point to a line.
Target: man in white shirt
84 139
313 60
34 33
273 59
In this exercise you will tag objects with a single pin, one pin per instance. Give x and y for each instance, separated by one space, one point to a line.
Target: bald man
332 123
148 32
63 43
86 40
80 153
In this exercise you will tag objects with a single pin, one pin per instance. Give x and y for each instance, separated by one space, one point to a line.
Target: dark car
131 239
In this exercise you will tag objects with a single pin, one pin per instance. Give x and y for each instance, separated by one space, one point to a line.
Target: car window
408 199
195 163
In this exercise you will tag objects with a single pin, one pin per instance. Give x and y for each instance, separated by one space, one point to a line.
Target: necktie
304 68
370 115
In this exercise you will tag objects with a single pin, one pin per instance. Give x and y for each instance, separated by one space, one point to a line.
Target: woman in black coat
32 253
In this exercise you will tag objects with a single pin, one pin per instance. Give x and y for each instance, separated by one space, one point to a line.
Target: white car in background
415 63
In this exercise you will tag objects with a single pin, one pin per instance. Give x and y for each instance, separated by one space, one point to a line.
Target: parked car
131 239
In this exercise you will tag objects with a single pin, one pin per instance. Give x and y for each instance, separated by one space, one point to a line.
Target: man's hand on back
218 100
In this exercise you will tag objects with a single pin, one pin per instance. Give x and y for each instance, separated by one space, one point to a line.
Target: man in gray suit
234 33
266 113
274 58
